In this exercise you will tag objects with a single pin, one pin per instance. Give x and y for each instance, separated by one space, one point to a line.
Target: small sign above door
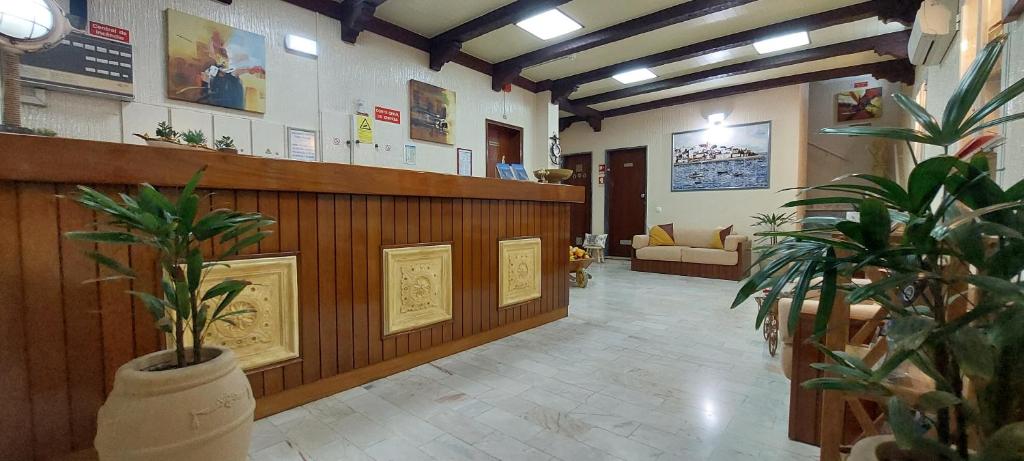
627 165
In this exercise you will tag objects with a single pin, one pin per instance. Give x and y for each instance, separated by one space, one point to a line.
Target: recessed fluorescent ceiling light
634 76
549 24
782 42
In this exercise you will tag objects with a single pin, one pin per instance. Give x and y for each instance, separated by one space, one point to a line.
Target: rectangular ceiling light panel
634 76
782 42
549 24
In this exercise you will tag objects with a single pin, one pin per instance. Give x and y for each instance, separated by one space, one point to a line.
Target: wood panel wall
61 341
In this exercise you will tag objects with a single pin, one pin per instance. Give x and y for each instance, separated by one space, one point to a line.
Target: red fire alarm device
507 88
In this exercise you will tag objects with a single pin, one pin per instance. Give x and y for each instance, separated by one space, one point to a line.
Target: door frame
590 187
607 187
522 142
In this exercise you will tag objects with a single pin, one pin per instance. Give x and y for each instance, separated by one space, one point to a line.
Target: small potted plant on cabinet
194 138
191 401
225 144
167 136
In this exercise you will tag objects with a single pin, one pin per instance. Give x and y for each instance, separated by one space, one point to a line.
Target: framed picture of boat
722 157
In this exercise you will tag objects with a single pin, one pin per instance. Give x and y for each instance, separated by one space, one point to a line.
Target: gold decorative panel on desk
519 271
417 287
269 334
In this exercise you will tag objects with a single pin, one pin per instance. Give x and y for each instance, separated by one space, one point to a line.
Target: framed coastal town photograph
722 157
214 64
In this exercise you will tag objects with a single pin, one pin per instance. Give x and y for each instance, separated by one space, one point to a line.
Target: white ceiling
424 18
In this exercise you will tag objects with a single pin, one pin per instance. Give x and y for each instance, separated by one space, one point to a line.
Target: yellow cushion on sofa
718 238
661 235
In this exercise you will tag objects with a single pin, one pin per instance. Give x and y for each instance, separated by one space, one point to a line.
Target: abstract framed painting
722 158
431 113
859 104
214 64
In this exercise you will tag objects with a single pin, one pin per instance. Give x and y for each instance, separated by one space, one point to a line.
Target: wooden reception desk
61 340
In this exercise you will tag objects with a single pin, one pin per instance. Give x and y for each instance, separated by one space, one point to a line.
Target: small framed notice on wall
302 145
464 162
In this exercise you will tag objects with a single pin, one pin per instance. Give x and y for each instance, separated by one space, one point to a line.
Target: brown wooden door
579 213
626 181
503 142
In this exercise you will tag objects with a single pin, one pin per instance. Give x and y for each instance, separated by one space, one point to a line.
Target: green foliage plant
177 232
166 132
769 223
225 142
953 237
194 138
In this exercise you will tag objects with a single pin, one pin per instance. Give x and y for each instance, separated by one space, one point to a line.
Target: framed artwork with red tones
859 104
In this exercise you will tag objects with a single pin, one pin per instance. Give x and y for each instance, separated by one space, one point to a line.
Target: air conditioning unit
934 30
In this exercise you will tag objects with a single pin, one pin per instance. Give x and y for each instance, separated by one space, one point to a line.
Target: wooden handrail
73 161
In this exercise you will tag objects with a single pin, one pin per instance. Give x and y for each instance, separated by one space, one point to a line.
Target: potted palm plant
191 401
769 224
952 244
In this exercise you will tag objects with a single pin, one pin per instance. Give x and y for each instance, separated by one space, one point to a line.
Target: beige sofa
692 256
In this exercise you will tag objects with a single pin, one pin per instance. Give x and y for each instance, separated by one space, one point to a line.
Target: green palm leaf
919 113
993 105
899 134
962 99
996 122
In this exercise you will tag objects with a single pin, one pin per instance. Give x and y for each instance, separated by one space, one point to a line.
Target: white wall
938 83
1012 155
833 156
785 107
300 90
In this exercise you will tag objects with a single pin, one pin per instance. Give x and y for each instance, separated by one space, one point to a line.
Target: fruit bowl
553 175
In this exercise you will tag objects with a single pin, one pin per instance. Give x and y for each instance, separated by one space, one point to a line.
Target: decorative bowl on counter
553 175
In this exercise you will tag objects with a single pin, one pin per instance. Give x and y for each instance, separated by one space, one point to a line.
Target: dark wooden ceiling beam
327 8
446 45
563 87
1012 10
892 44
355 16
507 70
901 11
407 37
899 71
582 113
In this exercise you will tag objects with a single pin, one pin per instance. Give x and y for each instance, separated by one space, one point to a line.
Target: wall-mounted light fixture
301 45
716 118
26 26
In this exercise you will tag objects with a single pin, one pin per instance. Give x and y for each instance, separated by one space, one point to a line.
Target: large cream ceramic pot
200 412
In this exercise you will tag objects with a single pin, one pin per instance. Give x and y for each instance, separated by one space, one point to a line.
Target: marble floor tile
450 448
463 427
509 424
265 434
507 448
647 366
396 449
282 451
339 450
